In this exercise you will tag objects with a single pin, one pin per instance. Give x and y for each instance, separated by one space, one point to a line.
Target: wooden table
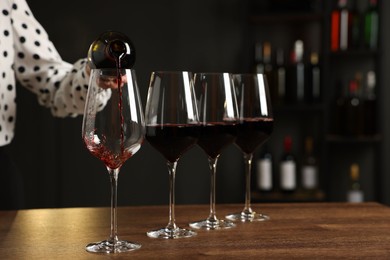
296 230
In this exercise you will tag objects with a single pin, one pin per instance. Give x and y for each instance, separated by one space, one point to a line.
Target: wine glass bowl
218 115
113 131
254 127
172 124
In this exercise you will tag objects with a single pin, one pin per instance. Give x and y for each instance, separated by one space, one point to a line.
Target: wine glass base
247 217
109 247
167 233
212 225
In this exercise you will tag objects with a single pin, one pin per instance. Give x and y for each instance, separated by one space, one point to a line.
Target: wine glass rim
247 74
212 73
171 71
111 69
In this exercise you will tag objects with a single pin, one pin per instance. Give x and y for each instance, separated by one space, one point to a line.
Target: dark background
194 35
168 35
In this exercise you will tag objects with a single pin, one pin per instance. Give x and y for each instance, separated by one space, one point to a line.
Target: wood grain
295 231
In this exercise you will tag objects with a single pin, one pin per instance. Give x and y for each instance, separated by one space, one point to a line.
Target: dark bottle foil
111 50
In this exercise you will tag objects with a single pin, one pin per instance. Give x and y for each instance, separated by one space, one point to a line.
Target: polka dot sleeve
58 85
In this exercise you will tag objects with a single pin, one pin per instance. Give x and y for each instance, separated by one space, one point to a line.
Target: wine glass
113 131
218 115
172 124
254 128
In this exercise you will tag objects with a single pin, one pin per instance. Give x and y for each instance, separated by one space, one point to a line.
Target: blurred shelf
362 53
286 17
353 139
297 196
277 21
298 108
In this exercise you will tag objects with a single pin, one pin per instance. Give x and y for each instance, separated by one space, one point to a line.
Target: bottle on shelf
354 194
264 66
288 168
309 168
370 104
259 65
335 29
264 173
371 25
339 107
280 77
313 86
263 58
354 116
268 71
340 26
355 27
296 75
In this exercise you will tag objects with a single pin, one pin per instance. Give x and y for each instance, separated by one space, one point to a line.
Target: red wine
118 60
110 158
172 140
252 132
118 49
213 137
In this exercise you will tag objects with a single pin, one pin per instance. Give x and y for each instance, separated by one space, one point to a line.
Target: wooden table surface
296 230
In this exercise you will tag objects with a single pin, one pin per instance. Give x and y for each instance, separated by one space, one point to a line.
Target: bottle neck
280 57
342 3
287 145
267 53
258 53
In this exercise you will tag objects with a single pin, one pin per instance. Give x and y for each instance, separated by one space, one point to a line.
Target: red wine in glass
172 140
111 159
172 124
252 133
254 127
218 115
215 136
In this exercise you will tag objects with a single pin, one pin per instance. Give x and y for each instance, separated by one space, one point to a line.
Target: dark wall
384 180
192 35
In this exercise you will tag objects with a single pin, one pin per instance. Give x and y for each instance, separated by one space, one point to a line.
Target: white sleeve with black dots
60 86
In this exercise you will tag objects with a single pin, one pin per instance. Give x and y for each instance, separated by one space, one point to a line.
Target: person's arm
60 86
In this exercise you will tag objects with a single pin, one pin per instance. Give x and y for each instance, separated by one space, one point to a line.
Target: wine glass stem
172 172
213 170
248 168
114 187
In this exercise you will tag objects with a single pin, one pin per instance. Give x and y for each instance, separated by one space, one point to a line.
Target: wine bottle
296 75
355 29
264 172
280 77
354 193
259 65
309 169
345 25
371 25
264 66
340 26
335 28
354 117
370 104
339 108
313 86
111 50
288 168
267 58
